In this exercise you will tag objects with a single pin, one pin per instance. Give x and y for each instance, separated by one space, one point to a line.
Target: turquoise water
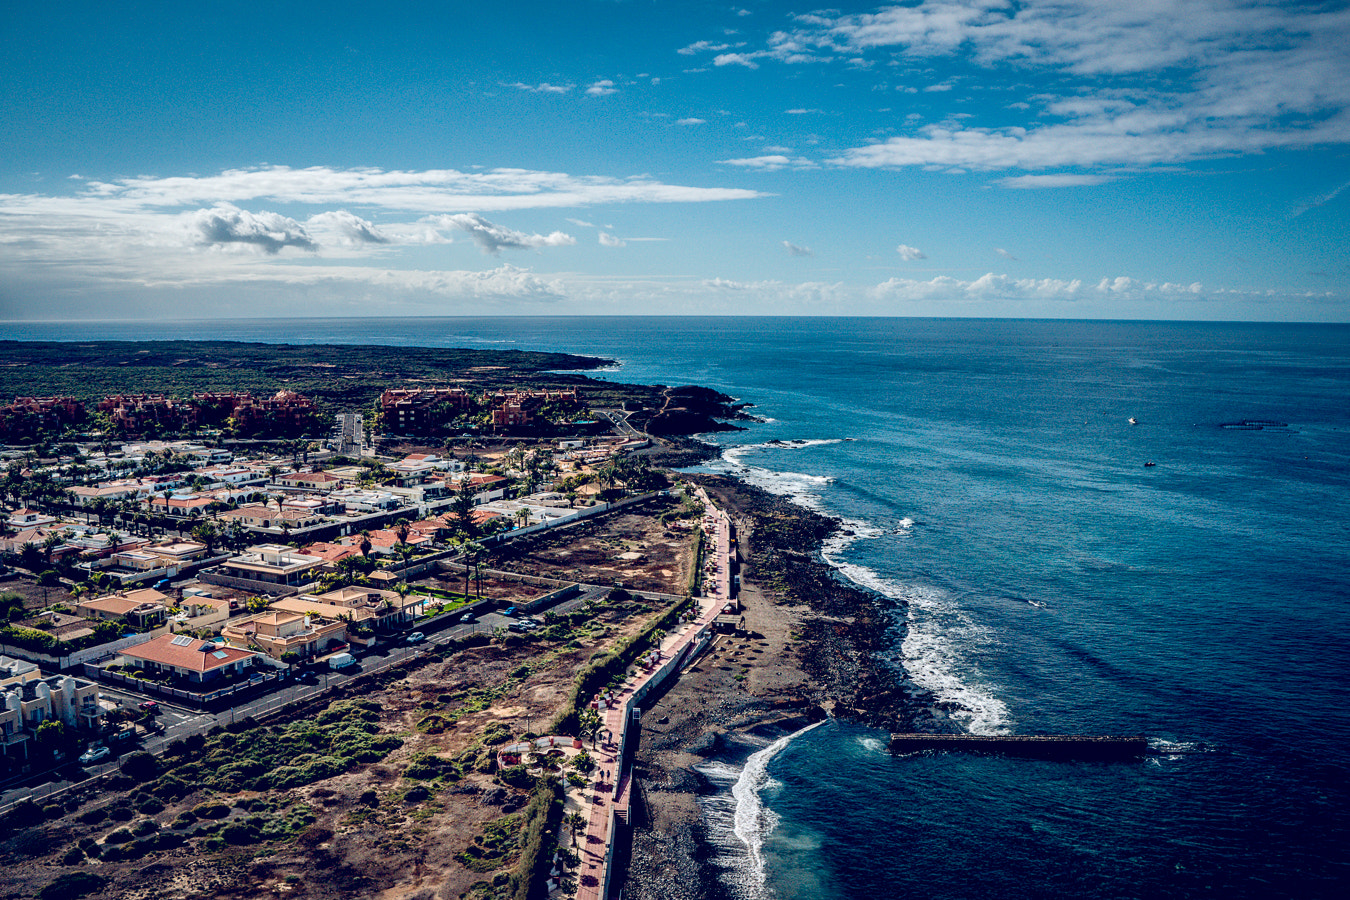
1040 579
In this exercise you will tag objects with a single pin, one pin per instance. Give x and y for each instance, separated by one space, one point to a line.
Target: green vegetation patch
298 753
495 848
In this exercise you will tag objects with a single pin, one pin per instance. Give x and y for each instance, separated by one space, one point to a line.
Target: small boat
1133 421
1149 465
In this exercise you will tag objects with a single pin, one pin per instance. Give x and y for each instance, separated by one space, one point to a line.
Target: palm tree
575 822
589 724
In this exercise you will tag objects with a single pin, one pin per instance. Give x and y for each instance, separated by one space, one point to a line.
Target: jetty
1031 746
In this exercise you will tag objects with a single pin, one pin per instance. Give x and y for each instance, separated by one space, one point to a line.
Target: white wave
940 638
873 745
739 816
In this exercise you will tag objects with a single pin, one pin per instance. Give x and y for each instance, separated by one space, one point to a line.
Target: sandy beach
808 651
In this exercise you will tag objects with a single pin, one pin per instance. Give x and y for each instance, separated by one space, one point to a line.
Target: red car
150 706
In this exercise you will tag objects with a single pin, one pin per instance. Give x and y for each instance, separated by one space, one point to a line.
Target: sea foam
739 821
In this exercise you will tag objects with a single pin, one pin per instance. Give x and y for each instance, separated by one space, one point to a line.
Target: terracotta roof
194 655
330 552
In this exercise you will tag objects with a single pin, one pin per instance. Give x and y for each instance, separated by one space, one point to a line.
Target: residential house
145 608
189 660
278 631
271 565
27 699
359 605
310 481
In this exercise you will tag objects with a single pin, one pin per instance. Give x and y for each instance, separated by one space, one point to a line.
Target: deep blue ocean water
1042 579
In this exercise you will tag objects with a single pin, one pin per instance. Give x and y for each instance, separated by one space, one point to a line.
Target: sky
1157 159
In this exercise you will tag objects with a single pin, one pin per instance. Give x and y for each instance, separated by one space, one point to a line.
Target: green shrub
211 810
120 836
72 885
93 816
139 766
121 814
149 806
183 819
240 834
72 856
144 827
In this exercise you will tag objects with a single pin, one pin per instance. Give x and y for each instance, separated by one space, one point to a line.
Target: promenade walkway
611 793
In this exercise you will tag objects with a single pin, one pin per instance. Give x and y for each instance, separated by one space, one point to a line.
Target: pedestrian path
610 798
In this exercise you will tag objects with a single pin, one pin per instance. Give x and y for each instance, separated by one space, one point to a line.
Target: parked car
509 611
94 754
151 707
468 617
416 637
308 676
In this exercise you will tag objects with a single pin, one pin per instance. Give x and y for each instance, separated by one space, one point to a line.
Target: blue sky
1067 158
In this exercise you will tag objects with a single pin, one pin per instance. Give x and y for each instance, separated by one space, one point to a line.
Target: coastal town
261 652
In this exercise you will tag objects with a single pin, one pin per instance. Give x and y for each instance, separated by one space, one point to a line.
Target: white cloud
691 121
226 225
738 59
602 88
909 254
1033 182
609 240
581 223
997 288
430 191
803 112
544 88
346 228
770 163
1005 254
795 250
701 47
1168 81
493 239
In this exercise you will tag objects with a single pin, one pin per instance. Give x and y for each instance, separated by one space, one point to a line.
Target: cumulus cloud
493 239
347 228
609 240
909 254
994 287
602 88
795 250
770 163
738 59
270 232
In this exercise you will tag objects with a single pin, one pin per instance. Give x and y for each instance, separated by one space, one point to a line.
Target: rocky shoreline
812 647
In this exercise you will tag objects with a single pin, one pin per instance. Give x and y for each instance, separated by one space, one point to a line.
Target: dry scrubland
387 789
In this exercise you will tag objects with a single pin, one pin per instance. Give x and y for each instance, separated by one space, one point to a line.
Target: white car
94 754
416 637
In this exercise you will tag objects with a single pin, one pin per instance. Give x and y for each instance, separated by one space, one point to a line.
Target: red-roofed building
188 658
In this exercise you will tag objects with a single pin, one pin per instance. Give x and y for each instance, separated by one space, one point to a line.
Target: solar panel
182 640
221 654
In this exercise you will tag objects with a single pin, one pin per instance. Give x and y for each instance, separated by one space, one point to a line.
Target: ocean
1041 578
